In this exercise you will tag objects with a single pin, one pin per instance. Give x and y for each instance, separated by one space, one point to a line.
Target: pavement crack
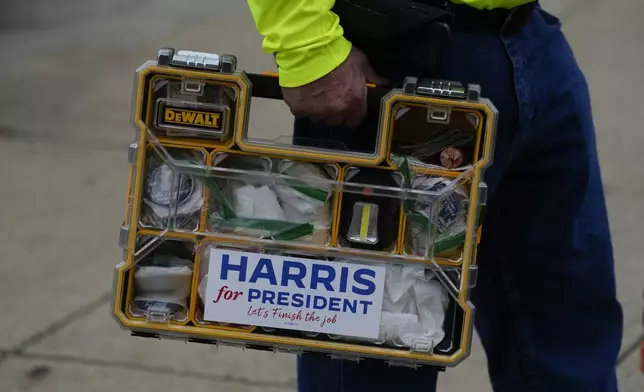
630 349
4 355
56 326
133 366
24 136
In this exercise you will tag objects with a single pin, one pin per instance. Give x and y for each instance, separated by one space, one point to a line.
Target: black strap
265 86
384 19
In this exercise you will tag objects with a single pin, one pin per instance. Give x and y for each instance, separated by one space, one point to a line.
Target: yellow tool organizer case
236 239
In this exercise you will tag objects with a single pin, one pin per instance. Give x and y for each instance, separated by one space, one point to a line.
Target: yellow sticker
364 223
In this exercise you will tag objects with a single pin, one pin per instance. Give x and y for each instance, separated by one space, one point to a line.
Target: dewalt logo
192 117
212 118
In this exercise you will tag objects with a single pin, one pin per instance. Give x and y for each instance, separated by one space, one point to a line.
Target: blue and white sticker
294 293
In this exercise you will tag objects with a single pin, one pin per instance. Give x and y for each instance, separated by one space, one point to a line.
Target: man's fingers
318 118
328 118
333 117
355 120
337 98
334 121
356 114
372 77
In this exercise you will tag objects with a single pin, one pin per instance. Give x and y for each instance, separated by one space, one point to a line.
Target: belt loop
445 5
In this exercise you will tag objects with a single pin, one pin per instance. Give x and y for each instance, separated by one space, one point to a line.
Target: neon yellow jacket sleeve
308 39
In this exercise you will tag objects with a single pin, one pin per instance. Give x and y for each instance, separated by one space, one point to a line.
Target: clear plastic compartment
416 317
271 199
172 199
437 136
416 310
416 214
443 217
199 293
370 211
161 280
192 107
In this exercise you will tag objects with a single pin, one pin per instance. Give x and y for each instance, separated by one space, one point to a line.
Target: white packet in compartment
298 208
302 201
156 279
257 203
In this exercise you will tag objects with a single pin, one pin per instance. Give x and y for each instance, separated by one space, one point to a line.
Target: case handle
266 85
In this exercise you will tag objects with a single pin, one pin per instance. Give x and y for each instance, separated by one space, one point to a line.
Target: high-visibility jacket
307 37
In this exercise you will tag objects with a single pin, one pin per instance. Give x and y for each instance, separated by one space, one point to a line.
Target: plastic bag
452 208
277 208
169 194
443 229
413 308
163 284
257 203
304 201
154 279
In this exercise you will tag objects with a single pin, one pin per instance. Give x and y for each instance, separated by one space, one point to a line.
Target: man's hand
339 97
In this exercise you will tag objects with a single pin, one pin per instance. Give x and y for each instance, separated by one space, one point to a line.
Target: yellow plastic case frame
224 334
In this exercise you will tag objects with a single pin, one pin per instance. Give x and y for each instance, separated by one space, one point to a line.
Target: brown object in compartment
320 236
452 157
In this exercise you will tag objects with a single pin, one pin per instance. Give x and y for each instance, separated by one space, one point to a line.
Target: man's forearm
308 38
305 35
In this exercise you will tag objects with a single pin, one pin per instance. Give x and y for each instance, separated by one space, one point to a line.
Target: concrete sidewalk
65 78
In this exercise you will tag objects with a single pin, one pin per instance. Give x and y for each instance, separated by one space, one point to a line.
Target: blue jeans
546 307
